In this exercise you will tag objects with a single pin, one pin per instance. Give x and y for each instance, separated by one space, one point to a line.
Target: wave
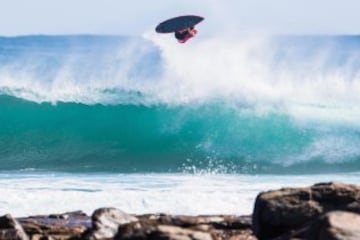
123 104
215 137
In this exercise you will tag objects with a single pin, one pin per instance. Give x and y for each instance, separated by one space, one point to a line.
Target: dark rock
11 229
278 212
337 196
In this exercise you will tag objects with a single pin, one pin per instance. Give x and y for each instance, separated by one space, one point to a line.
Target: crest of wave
250 68
261 72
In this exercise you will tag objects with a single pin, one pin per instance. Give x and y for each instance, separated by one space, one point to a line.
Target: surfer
183 27
185 34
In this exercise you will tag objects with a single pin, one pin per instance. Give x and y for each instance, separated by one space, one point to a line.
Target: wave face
123 104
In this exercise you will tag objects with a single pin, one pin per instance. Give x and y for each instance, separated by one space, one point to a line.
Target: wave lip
311 70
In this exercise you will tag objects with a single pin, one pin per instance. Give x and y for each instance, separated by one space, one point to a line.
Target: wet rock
278 212
106 221
56 226
11 229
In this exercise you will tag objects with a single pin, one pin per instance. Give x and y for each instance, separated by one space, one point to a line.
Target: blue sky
134 17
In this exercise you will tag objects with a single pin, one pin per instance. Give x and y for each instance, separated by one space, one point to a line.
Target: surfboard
178 23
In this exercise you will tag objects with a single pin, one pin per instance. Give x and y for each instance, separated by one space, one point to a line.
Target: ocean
148 125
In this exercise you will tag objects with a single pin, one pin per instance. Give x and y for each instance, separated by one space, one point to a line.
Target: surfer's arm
192 31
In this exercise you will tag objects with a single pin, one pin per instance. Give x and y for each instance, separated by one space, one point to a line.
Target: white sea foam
29 194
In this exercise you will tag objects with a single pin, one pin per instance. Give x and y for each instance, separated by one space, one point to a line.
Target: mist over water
255 104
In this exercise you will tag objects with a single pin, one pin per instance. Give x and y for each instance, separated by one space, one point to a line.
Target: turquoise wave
86 103
211 137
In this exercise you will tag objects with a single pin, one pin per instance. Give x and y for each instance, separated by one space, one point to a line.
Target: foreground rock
111 223
106 222
335 225
187 228
56 226
280 212
11 229
339 225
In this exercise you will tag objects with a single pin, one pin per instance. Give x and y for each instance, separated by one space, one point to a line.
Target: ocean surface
148 125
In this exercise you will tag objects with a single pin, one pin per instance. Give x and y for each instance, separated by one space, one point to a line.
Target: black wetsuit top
181 35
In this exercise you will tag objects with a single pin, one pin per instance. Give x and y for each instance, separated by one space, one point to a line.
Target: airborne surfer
183 27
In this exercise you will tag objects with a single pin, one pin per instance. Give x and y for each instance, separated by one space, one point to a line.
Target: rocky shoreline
322 211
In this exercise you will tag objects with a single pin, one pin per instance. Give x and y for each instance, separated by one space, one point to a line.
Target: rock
151 230
187 227
171 232
339 225
11 229
56 226
278 212
110 223
214 221
335 225
106 221
242 236
337 196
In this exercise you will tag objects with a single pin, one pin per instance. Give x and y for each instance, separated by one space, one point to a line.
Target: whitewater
148 125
